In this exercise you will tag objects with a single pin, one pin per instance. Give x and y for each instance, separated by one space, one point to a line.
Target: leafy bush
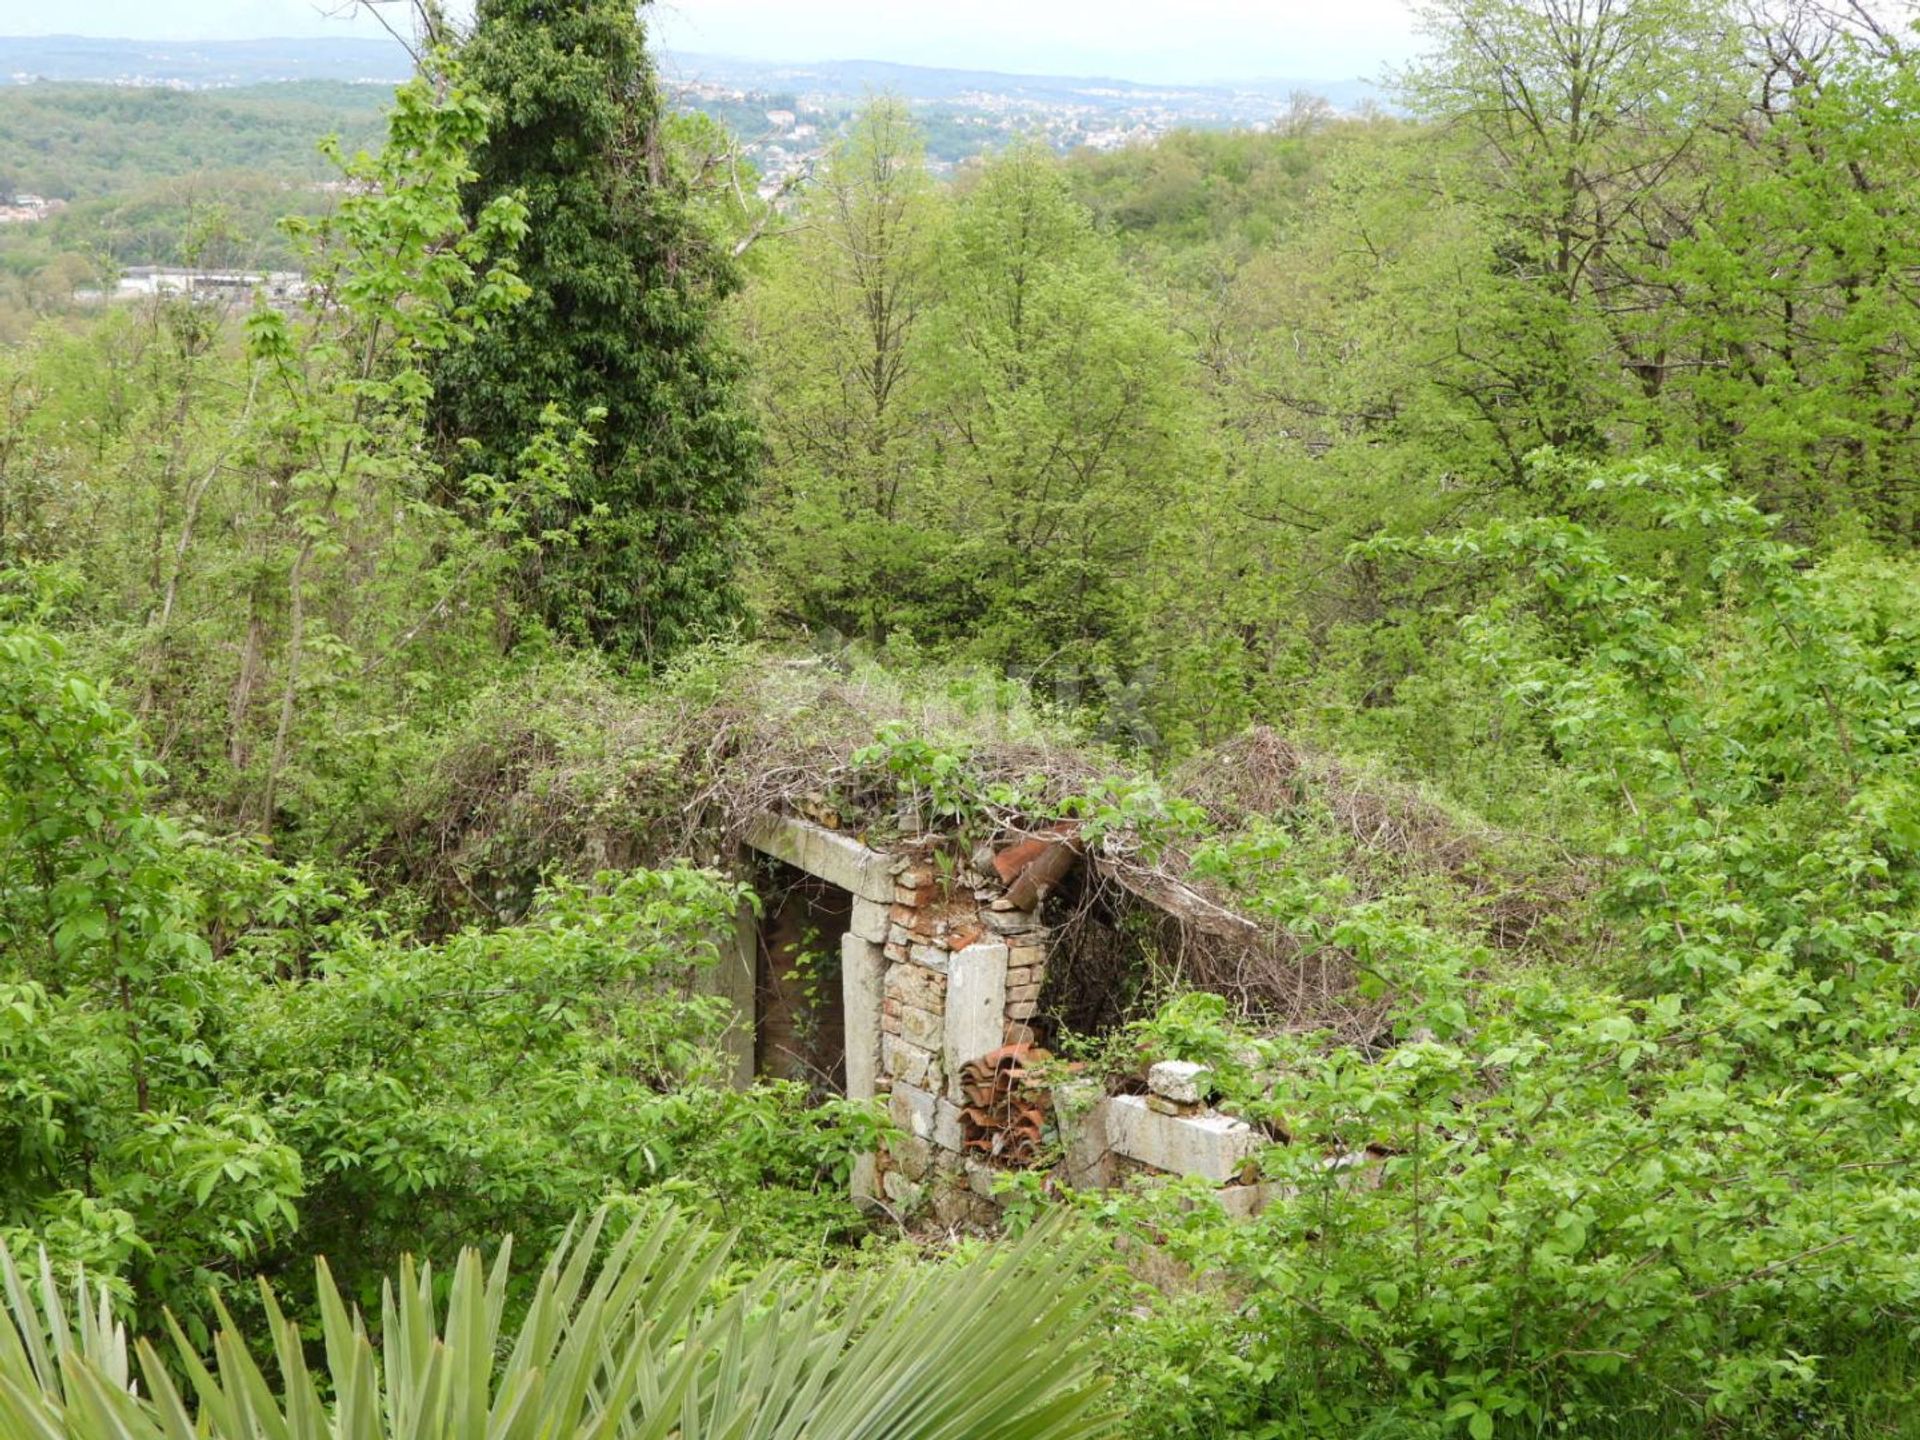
204 1052
1670 1189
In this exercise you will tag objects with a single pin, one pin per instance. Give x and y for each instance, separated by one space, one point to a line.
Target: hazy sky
1134 39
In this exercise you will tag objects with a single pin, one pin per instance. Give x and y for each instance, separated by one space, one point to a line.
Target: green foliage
251 520
973 411
635 553
932 779
1669 1189
1136 809
207 1056
1550 446
118 1133
502 1079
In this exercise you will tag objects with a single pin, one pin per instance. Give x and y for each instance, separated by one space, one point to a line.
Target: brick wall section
948 953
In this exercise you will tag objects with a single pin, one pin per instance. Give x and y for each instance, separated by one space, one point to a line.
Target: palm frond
621 1340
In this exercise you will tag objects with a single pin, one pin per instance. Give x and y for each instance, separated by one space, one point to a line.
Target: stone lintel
837 859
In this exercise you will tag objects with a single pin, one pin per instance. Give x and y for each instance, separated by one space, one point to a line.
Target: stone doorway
800 1030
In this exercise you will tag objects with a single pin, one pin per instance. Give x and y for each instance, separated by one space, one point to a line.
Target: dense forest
1472 543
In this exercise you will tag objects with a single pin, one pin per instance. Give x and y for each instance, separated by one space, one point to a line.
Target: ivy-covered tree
635 555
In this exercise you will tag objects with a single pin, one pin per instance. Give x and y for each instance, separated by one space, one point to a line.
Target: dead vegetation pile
572 773
1142 914
1392 834
569 771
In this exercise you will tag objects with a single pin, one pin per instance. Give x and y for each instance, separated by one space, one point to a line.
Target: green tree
1796 291
977 415
1582 125
836 325
397 275
637 556
1063 429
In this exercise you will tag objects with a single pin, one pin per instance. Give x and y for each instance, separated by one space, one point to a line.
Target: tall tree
1064 435
1801 289
1580 125
836 326
636 554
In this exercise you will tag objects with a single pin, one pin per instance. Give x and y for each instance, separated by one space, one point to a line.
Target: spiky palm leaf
635 1349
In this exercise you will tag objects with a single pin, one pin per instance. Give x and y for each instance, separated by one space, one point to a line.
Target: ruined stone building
940 967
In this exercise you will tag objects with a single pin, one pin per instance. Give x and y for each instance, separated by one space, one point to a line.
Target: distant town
282 289
785 133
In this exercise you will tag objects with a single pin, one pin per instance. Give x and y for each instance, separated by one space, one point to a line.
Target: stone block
980 1178
1010 922
834 858
1020 992
1243 1202
870 920
902 1191
913 1110
946 1125
1021 1010
955 1206
1180 1080
1080 1110
921 1027
916 985
976 1003
1027 957
912 1156
931 956
909 1064
861 970
1210 1145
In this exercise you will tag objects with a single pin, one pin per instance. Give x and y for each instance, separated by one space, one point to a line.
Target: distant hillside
199 64
837 79
79 141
